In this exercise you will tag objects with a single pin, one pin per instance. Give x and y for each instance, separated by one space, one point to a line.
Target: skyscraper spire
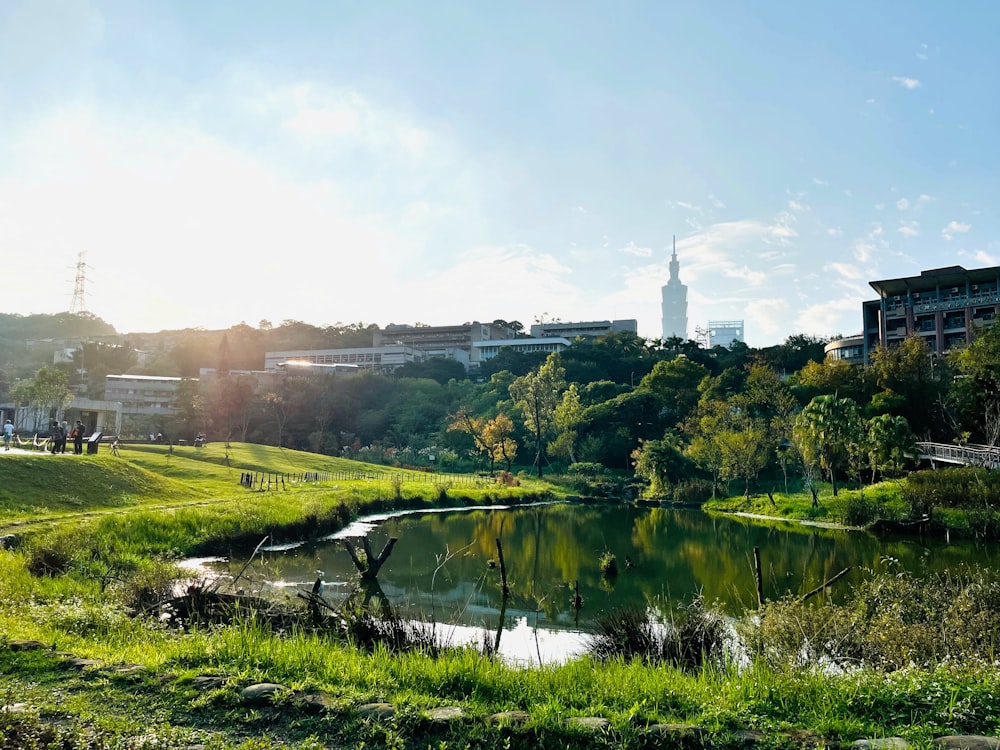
674 300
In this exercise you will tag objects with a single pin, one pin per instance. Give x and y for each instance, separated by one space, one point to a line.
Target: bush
890 621
587 468
860 510
697 635
692 491
965 488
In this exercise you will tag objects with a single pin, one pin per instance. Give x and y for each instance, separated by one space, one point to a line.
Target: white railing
968 455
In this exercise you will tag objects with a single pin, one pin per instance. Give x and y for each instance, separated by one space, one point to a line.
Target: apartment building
944 306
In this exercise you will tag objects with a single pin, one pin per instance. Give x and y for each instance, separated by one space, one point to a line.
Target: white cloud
910 229
987 259
902 204
907 83
716 203
845 270
768 316
838 315
835 232
751 277
953 228
641 252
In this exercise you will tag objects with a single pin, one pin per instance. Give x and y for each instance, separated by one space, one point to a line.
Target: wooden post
370 567
504 588
759 576
825 584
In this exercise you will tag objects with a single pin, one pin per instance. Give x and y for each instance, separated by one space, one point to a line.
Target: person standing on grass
64 430
56 437
77 435
8 434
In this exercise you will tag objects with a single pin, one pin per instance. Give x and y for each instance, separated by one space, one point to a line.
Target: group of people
62 433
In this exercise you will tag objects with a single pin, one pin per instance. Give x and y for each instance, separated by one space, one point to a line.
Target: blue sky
440 162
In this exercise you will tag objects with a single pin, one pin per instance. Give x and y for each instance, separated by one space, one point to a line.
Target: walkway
965 455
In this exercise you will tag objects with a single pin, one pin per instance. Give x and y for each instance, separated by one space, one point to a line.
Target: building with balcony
586 329
383 359
944 306
453 342
850 349
487 350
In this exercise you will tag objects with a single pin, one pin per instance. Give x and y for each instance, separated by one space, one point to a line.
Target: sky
437 162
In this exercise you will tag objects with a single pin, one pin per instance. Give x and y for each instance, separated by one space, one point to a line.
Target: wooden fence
269 480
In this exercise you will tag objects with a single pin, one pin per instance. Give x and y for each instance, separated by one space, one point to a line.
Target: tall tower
675 304
79 304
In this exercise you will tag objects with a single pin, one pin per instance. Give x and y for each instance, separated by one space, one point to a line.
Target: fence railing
967 455
268 480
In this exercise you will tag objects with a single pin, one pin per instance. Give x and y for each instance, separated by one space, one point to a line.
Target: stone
377 710
23 645
510 718
80 663
967 742
882 743
207 682
261 693
591 723
446 713
316 703
15 708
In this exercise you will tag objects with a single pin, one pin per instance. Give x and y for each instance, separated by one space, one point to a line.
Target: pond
444 566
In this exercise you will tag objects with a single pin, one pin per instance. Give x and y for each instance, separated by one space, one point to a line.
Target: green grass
113 524
849 506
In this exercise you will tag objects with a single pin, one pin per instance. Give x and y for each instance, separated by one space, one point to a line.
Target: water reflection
443 568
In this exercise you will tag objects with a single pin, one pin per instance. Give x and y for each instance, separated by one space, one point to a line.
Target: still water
444 567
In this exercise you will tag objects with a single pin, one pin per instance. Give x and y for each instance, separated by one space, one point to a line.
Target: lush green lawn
105 530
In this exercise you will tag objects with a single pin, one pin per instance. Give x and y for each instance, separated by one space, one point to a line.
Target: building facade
850 349
453 342
944 306
674 302
384 359
586 329
724 332
487 350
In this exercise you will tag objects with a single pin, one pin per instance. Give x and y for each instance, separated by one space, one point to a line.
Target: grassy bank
91 554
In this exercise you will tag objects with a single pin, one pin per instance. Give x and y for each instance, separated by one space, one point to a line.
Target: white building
383 359
724 332
586 329
484 351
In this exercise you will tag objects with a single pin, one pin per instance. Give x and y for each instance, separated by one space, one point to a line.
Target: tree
676 384
45 395
497 435
660 462
823 433
568 417
537 394
890 444
976 390
906 374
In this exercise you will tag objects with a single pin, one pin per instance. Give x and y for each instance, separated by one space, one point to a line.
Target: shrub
692 491
587 468
697 635
860 510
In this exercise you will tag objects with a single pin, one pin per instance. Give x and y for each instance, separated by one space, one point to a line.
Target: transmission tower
78 304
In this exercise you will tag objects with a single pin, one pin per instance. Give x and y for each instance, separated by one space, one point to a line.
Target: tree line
668 411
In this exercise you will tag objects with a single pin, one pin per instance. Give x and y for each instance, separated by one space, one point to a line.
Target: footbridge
966 455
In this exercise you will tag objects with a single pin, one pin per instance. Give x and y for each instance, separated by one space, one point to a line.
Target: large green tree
823 433
537 394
